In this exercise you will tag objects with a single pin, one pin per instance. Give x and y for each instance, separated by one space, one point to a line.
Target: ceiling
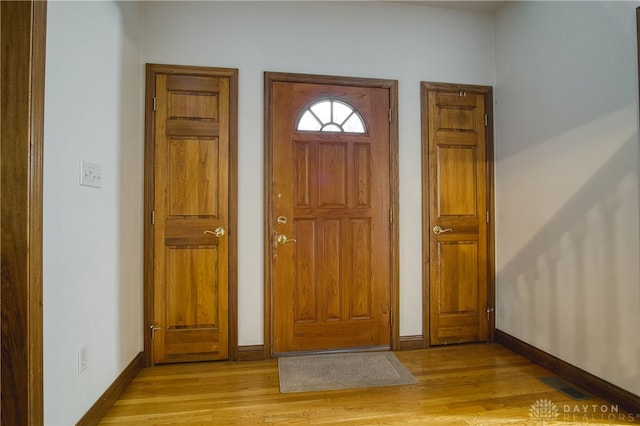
475 6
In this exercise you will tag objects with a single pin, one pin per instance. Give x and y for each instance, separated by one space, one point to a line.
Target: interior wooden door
330 234
190 216
457 213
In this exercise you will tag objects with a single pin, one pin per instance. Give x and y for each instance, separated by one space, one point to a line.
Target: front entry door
188 167
458 214
330 232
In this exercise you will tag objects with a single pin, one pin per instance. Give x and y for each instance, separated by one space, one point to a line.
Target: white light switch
90 174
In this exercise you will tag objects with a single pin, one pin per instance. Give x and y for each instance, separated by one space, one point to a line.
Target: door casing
487 91
392 86
23 39
232 228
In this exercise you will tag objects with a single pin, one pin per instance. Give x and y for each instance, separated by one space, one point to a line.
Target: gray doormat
341 371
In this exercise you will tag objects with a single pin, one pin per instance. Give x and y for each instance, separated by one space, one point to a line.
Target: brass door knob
282 239
438 230
219 232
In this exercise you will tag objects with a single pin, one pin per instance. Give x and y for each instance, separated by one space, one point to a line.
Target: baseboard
256 352
113 392
593 384
410 343
250 353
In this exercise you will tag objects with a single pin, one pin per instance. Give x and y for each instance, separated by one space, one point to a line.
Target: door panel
187 195
191 209
457 197
331 276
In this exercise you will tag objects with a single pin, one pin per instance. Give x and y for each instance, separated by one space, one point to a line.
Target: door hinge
487 216
390 216
154 103
153 329
391 318
153 217
390 115
489 310
486 120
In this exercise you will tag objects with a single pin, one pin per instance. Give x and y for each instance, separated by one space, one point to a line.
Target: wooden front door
330 233
189 175
458 213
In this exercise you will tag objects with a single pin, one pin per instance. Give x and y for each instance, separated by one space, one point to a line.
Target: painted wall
566 136
92 237
364 39
567 183
94 111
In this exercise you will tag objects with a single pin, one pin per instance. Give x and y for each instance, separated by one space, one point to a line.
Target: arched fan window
331 115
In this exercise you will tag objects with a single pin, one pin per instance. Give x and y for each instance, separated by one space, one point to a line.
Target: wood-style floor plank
483 384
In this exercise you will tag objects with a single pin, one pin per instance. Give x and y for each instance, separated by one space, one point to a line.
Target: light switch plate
90 174
83 358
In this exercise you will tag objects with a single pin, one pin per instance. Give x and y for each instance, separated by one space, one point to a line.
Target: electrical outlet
83 358
90 174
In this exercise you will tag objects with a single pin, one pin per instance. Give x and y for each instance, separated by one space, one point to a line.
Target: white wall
566 136
364 39
92 237
567 183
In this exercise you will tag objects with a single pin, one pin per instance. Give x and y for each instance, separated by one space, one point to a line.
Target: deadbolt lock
282 220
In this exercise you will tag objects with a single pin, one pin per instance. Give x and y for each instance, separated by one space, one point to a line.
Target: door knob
219 232
438 230
282 239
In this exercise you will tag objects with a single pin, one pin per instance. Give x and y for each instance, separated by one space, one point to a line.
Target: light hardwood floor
458 385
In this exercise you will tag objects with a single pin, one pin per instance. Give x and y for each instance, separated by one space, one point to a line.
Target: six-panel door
457 216
190 260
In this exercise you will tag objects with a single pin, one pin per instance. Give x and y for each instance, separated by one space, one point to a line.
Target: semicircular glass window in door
331 115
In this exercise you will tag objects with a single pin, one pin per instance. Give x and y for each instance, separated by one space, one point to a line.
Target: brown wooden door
191 215
458 214
331 250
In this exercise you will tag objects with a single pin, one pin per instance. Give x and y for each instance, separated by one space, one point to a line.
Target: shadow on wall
564 68
567 287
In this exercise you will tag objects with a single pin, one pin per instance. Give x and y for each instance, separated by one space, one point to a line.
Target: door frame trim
23 40
487 91
392 86
232 227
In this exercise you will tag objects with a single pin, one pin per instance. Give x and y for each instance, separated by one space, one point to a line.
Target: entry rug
341 371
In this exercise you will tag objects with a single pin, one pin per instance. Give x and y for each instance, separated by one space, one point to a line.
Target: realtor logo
543 410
